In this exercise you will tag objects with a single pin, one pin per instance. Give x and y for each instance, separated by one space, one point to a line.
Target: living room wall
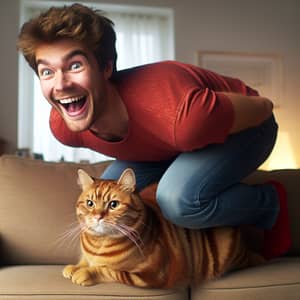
268 26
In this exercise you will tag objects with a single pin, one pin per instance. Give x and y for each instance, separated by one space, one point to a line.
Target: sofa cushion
47 283
37 206
277 280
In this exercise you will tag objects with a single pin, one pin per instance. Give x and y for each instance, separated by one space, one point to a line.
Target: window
144 35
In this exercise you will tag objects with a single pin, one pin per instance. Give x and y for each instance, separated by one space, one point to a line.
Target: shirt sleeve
203 117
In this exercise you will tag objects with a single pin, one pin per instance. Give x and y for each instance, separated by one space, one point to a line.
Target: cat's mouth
102 228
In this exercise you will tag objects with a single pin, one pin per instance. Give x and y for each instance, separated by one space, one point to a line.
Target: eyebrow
65 58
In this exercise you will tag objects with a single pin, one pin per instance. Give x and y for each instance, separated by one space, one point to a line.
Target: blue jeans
203 188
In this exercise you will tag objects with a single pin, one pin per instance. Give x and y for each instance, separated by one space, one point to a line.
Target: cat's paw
69 270
83 277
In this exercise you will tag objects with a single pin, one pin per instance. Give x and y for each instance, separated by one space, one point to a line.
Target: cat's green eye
89 203
113 204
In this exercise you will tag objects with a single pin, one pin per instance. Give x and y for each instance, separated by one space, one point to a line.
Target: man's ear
127 180
108 69
84 180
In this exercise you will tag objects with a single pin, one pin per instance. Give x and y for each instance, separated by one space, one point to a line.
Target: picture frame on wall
262 72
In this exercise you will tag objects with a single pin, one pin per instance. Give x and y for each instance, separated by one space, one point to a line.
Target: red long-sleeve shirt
172 107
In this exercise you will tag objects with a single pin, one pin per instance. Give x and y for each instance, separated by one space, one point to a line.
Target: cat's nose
98 217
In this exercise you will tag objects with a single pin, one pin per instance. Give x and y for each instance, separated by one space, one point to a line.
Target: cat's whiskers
133 232
135 238
71 228
69 236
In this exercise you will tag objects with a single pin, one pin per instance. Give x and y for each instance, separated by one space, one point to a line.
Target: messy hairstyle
75 22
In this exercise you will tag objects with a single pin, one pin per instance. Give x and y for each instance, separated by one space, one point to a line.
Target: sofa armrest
290 178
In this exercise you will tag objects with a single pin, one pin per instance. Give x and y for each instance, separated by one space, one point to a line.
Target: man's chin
77 126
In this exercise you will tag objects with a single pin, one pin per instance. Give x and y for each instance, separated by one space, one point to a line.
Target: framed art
261 72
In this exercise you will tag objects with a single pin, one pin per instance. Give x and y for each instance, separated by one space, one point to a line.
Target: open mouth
74 106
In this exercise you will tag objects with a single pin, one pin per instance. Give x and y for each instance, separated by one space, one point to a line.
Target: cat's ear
127 180
84 180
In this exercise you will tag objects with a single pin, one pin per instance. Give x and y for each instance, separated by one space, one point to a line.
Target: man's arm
249 111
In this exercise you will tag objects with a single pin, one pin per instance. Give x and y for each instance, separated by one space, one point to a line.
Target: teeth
70 100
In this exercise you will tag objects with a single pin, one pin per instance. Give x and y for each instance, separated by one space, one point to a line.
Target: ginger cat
125 238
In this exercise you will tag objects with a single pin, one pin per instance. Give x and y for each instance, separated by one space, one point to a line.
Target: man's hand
249 111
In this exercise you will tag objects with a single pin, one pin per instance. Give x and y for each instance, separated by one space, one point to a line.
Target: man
195 132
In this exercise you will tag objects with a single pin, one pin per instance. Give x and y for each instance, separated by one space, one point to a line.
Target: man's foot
277 240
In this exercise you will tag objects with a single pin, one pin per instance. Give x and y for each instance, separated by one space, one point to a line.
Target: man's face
72 82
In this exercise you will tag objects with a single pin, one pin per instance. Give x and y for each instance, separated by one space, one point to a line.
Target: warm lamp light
282 156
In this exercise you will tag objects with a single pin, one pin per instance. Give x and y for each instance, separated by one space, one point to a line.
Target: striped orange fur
125 238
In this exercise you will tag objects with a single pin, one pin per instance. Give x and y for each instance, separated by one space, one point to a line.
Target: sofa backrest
37 208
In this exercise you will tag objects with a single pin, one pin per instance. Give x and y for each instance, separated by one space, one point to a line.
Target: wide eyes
113 204
45 72
75 66
90 203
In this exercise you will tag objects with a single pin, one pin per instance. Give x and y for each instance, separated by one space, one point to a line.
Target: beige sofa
37 206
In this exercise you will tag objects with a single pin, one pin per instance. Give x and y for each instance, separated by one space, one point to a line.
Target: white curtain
141 39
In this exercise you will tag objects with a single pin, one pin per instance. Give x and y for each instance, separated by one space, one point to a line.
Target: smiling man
195 132
80 93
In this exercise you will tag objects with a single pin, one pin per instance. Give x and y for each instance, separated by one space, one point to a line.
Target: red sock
277 240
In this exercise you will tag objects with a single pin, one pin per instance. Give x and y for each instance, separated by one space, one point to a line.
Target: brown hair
76 22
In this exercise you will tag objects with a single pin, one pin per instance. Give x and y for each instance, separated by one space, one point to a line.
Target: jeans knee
170 206
182 210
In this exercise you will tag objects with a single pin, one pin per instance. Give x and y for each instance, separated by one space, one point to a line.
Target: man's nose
61 81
